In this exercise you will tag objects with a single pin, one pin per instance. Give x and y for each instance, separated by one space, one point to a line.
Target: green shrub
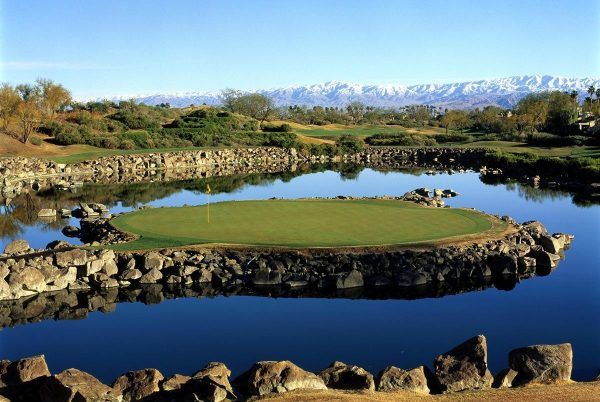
276 128
400 139
35 141
452 137
349 144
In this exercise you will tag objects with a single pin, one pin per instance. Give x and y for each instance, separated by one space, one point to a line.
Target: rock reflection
77 304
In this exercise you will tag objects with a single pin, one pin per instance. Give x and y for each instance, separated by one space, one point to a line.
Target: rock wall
523 251
17 172
463 368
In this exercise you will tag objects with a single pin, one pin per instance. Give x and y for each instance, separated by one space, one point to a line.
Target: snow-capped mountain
503 92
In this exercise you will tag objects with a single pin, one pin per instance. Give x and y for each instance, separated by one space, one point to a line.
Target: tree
356 110
29 116
9 101
597 94
533 109
562 112
229 97
457 119
591 90
54 97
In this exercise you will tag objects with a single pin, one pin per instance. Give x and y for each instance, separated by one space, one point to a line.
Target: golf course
301 223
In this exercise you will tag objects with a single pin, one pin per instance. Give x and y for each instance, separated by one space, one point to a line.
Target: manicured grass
335 130
300 223
520 147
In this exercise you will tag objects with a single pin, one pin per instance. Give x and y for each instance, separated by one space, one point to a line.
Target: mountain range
504 92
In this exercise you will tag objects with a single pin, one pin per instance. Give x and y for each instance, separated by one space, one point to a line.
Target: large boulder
175 382
550 244
153 261
276 377
344 376
139 384
16 247
152 276
76 257
394 379
350 279
211 383
464 367
542 364
22 371
73 385
26 281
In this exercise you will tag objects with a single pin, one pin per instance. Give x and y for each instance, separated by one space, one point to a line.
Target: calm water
181 335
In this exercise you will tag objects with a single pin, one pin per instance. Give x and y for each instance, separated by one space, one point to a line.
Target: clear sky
115 47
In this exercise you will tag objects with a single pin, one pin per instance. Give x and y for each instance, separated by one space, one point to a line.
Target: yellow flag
207 188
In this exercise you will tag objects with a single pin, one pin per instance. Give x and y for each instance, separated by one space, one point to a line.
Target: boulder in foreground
542 364
276 377
137 385
464 367
344 376
73 385
394 379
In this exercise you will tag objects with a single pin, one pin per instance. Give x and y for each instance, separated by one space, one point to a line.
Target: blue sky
109 47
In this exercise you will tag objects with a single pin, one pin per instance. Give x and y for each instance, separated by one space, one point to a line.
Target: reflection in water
76 304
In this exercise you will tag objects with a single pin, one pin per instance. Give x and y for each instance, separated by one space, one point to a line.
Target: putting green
300 223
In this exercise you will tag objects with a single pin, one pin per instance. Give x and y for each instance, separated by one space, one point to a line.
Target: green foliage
452 137
400 139
35 141
279 128
348 144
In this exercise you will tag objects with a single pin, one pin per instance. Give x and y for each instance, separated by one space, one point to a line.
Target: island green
301 223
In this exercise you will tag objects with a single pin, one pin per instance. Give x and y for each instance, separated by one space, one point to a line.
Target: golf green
299 223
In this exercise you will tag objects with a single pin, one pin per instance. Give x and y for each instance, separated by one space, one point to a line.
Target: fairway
299 223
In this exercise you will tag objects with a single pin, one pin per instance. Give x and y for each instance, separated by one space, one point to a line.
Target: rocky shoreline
463 368
521 251
18 173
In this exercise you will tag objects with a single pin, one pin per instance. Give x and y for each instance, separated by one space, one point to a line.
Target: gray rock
46 213
550 244
175 382
464 367
276 377
73 385
153 261
393 379
137 385
350 279
76 257
22 371
542 364
26 282
152 276
343 376
16 247
131 274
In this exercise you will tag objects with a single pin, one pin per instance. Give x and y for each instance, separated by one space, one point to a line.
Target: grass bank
300 223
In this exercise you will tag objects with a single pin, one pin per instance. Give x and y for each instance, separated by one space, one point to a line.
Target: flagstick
208 208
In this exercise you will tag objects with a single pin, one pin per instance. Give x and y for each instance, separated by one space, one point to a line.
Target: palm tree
597 94
591 90
574 94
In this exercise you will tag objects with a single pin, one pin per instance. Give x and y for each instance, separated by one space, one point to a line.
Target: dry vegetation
575 392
